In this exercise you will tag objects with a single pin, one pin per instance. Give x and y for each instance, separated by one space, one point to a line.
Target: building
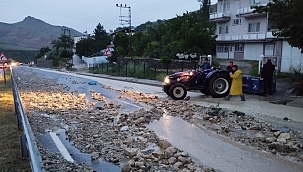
244 35
79 38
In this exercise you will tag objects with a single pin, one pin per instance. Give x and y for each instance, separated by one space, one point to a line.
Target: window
254 2
223 30
254 27
225 7
236 21
222 48
226 29
238 47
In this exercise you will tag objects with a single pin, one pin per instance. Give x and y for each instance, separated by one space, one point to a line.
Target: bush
56 61
137 70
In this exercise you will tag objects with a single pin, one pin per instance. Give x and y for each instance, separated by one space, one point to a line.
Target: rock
270 139
301 158
281 147
187 98
158 155
284 135
81 96
139 164
285 118
171 150
281 140
164 144
125 128
273 151
126 167
183 159
206 118
95 155
290 144
259 136
140 120
277 133
131 152
172 160
185 154
226 130
212 120
177 165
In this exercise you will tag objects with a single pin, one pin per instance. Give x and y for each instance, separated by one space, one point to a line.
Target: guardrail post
23 146
126 69
144 70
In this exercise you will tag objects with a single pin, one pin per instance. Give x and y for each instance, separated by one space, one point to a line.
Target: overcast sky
84 15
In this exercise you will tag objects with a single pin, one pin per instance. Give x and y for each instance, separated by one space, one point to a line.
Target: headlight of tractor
166 80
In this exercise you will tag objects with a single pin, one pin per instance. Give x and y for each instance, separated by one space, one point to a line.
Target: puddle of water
211 150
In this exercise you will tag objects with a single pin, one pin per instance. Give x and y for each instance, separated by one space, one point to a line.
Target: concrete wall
291 58
91 61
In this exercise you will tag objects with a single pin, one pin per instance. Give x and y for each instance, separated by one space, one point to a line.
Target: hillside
30 33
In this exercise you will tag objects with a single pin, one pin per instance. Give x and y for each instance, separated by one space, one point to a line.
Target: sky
84 15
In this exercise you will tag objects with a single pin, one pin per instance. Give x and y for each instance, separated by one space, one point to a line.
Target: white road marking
61 147
129 103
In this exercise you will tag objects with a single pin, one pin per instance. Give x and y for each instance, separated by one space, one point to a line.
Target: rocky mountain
30 33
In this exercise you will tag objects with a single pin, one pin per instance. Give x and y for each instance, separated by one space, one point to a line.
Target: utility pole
126 20
69 42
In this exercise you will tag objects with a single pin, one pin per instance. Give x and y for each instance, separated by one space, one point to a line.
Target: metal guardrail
28 144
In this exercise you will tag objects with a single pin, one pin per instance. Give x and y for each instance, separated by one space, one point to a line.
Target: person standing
236 84
267 75
230 66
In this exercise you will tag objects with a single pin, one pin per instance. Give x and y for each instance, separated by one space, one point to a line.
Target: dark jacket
205 66
268 70
229 68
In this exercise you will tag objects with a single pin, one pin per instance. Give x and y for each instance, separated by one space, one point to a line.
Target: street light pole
127 21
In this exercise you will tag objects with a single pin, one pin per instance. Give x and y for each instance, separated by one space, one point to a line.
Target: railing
251 36
248 9
28 144
219 15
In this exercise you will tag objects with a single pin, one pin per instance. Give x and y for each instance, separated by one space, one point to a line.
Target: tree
121 42
85 47
289 19
42 52
101 35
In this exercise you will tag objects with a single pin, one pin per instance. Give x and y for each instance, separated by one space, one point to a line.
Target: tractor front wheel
177 91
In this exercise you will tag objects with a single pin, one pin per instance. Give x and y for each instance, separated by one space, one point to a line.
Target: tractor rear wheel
219 85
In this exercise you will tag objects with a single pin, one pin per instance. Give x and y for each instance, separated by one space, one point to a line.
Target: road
204 146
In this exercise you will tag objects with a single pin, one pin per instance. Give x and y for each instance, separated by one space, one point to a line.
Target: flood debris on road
123 139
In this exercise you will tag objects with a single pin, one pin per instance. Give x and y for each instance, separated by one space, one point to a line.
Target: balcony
247 12
219 16
246 37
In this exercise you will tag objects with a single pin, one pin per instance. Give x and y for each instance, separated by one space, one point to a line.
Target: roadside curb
117 79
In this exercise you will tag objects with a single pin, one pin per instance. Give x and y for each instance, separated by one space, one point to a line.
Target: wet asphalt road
210 150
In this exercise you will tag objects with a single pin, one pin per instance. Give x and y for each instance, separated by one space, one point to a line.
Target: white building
244 35
79 38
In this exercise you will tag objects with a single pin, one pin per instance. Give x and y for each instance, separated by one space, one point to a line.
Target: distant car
3 65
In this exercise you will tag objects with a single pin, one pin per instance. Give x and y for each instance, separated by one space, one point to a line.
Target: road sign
107 52
3 58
